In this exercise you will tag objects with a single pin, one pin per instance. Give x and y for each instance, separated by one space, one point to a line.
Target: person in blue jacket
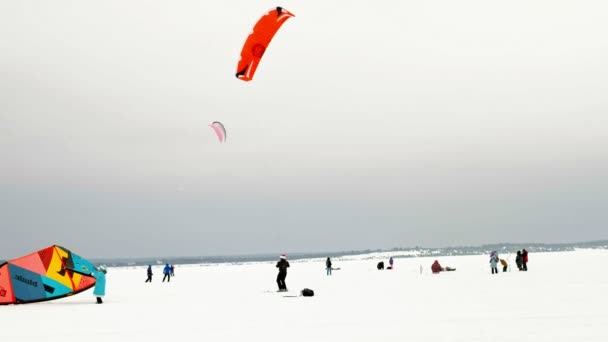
167 273
100 282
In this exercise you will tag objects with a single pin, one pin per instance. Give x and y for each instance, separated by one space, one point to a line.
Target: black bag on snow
308 293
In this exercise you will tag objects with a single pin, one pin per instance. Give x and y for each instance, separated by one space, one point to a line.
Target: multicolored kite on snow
50 273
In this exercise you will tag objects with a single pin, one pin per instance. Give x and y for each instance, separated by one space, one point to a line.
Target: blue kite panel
27 285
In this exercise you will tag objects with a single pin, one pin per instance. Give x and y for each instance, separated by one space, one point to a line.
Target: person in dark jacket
380 265
282 265
149 272
172 270
524 264
519 260
328 266
436 267
167 273
390 263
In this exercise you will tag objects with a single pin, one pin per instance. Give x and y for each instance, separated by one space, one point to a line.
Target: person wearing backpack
328 266
282 265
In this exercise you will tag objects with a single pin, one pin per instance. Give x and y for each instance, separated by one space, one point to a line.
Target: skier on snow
282 265
149 272
167 272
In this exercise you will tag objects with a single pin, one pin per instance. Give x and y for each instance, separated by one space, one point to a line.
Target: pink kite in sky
219 129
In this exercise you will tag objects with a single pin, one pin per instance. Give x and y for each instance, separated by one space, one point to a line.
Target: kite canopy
50 273
258 41
219 129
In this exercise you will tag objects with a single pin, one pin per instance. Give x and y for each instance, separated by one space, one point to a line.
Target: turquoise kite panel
54 288
81 265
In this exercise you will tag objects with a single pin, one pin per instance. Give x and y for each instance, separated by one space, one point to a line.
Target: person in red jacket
436 268
524 254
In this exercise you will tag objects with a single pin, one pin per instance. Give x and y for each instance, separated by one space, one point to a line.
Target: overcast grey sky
368 125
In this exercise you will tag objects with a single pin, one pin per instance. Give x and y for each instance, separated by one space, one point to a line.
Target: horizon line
350 252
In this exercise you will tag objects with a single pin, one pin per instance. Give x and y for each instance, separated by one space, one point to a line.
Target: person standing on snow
167 272
524 264
328 266
172 270
519 260
149 272
282 265
100 283
494 262
390 263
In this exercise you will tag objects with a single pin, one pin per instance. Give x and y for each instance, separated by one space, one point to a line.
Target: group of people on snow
521 260
168 271
380 265
283 265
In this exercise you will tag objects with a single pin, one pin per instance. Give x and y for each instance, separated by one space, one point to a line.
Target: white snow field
563 297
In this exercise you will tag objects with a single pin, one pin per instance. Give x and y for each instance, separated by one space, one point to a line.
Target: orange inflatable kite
258 41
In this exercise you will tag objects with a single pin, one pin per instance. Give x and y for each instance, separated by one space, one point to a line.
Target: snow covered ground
563 297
